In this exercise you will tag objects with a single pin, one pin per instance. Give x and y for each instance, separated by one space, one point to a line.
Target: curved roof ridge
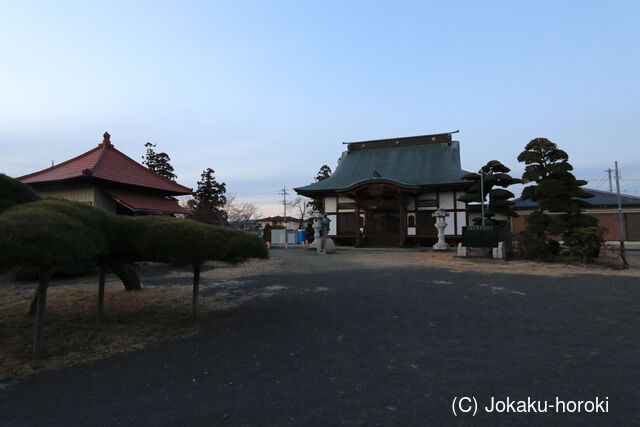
107 163
147 170
59 165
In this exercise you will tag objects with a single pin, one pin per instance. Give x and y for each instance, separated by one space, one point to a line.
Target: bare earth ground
162 311
361 337
393 259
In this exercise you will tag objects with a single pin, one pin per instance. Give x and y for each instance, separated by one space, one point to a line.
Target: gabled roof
411 161
107 163
600 199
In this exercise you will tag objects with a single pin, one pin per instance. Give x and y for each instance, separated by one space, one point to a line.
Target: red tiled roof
107 163
279 219
146 202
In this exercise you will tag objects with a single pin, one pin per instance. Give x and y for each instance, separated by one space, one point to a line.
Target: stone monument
440 216
316 230
324 222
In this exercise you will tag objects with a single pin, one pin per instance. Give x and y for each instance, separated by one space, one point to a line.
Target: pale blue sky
265 92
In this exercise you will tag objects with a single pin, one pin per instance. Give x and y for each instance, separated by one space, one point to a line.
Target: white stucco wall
332 225
330 204
462 221
450 229
446 200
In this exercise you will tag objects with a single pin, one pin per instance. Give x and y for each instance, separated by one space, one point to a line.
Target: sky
265 92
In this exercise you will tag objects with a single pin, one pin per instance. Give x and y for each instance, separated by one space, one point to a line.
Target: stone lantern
440 216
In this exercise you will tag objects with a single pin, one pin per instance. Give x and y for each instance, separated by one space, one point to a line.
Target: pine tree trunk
196 291
101 282
126 272
41 293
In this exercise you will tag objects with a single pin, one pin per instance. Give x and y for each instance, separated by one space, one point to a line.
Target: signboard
480 236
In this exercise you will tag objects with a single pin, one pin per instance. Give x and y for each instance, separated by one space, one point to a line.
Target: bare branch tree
302 207
240 211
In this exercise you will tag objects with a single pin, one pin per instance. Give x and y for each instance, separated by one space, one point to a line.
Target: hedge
14 192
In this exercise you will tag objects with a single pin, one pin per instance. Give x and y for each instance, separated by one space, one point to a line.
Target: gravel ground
366 338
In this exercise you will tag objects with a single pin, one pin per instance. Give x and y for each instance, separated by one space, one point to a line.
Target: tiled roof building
384 192
107 178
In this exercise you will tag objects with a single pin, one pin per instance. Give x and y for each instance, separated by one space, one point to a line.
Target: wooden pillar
357 213
403 219
41 302
101 280
196 291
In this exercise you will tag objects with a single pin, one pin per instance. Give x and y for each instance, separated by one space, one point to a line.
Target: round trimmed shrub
183 241
33 236
14 192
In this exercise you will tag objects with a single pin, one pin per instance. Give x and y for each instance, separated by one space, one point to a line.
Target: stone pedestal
501 251
330 246
441 225
463 251
326 246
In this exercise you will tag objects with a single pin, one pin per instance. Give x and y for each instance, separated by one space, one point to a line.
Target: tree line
210 203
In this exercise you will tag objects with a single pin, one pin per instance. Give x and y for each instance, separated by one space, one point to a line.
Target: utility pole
608 171
284 203
620 217
482 195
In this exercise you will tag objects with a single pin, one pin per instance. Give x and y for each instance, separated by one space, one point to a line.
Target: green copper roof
415 164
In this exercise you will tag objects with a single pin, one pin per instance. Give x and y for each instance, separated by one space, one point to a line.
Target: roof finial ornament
106 139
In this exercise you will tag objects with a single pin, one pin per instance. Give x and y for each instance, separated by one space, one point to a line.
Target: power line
599 183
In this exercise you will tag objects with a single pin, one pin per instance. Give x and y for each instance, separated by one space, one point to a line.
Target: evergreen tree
158 162
555 190
495 175
266 233
208 204
323 173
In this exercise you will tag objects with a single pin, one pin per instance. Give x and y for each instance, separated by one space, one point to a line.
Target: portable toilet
301 236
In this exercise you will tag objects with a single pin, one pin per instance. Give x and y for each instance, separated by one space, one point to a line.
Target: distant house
384 192
249 225
109 179
279 221
604 207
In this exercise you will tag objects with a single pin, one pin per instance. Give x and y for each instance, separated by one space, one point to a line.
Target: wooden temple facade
384 192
